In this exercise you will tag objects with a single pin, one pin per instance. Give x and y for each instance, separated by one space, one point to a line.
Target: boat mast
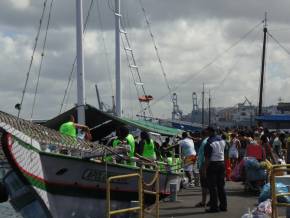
209 109
263 67
202 106
80 63
118 59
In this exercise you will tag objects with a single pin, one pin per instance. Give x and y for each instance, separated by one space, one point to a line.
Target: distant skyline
215 42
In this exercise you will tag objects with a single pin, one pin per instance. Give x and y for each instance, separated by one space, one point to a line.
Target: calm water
6 211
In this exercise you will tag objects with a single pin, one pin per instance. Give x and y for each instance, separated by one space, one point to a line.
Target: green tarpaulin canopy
106 123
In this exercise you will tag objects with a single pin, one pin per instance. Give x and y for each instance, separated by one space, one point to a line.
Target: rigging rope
32 57
75 60
105 47
155 47
69 92
41 61
217 86
110 6
211 62
280 45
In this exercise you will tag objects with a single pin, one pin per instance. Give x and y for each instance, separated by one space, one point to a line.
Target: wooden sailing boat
60 184
54 175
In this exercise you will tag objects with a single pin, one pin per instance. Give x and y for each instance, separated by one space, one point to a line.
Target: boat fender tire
3 193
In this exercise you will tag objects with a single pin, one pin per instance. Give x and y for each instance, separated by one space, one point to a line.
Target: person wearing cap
215 171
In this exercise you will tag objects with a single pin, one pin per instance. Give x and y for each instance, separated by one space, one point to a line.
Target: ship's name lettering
100 176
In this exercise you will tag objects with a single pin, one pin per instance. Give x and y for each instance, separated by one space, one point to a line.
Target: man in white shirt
215 171
188 155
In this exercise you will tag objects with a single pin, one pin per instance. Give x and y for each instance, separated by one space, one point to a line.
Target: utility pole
263 67
209 108
194 107
202 106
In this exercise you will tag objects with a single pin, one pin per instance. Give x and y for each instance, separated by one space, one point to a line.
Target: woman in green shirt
147 146
70 128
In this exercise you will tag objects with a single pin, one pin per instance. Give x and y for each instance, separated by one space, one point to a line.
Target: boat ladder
135 73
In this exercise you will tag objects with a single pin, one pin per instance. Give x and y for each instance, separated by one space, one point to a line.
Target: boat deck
238 204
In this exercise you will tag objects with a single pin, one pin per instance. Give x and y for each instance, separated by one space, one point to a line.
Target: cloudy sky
218 43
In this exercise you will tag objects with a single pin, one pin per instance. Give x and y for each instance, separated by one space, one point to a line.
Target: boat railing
155 181
278 172
142 185
164 166
125 210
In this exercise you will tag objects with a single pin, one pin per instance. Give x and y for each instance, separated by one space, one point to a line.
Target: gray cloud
189 35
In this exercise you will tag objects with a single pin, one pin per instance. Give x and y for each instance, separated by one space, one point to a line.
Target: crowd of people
208 157
220 151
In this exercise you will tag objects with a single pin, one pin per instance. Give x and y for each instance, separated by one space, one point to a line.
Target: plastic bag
236 175
265 207
248 214
280 188
255 214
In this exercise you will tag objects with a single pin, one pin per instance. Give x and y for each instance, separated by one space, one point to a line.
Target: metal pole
263 67
202 106
141 186
99 98
209 108
118 59
157 187
80 63
108 198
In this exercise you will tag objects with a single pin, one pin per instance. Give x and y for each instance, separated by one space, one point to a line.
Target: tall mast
209 109
118 59
80 63
263 67
202 106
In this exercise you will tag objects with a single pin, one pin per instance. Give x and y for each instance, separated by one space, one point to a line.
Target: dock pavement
238 203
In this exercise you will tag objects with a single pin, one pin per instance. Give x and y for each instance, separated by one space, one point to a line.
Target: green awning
107 123
152 127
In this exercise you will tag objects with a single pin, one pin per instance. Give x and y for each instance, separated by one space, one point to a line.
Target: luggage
255 174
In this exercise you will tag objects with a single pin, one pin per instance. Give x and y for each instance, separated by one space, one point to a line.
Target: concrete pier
238 203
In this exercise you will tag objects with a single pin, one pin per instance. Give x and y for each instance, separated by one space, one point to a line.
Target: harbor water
6 211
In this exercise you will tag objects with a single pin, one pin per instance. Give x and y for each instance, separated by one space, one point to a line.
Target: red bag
228 169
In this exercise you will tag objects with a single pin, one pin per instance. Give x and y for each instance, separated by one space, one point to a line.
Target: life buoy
145 98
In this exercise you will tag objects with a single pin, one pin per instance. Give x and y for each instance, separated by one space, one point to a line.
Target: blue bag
251 163
280 188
